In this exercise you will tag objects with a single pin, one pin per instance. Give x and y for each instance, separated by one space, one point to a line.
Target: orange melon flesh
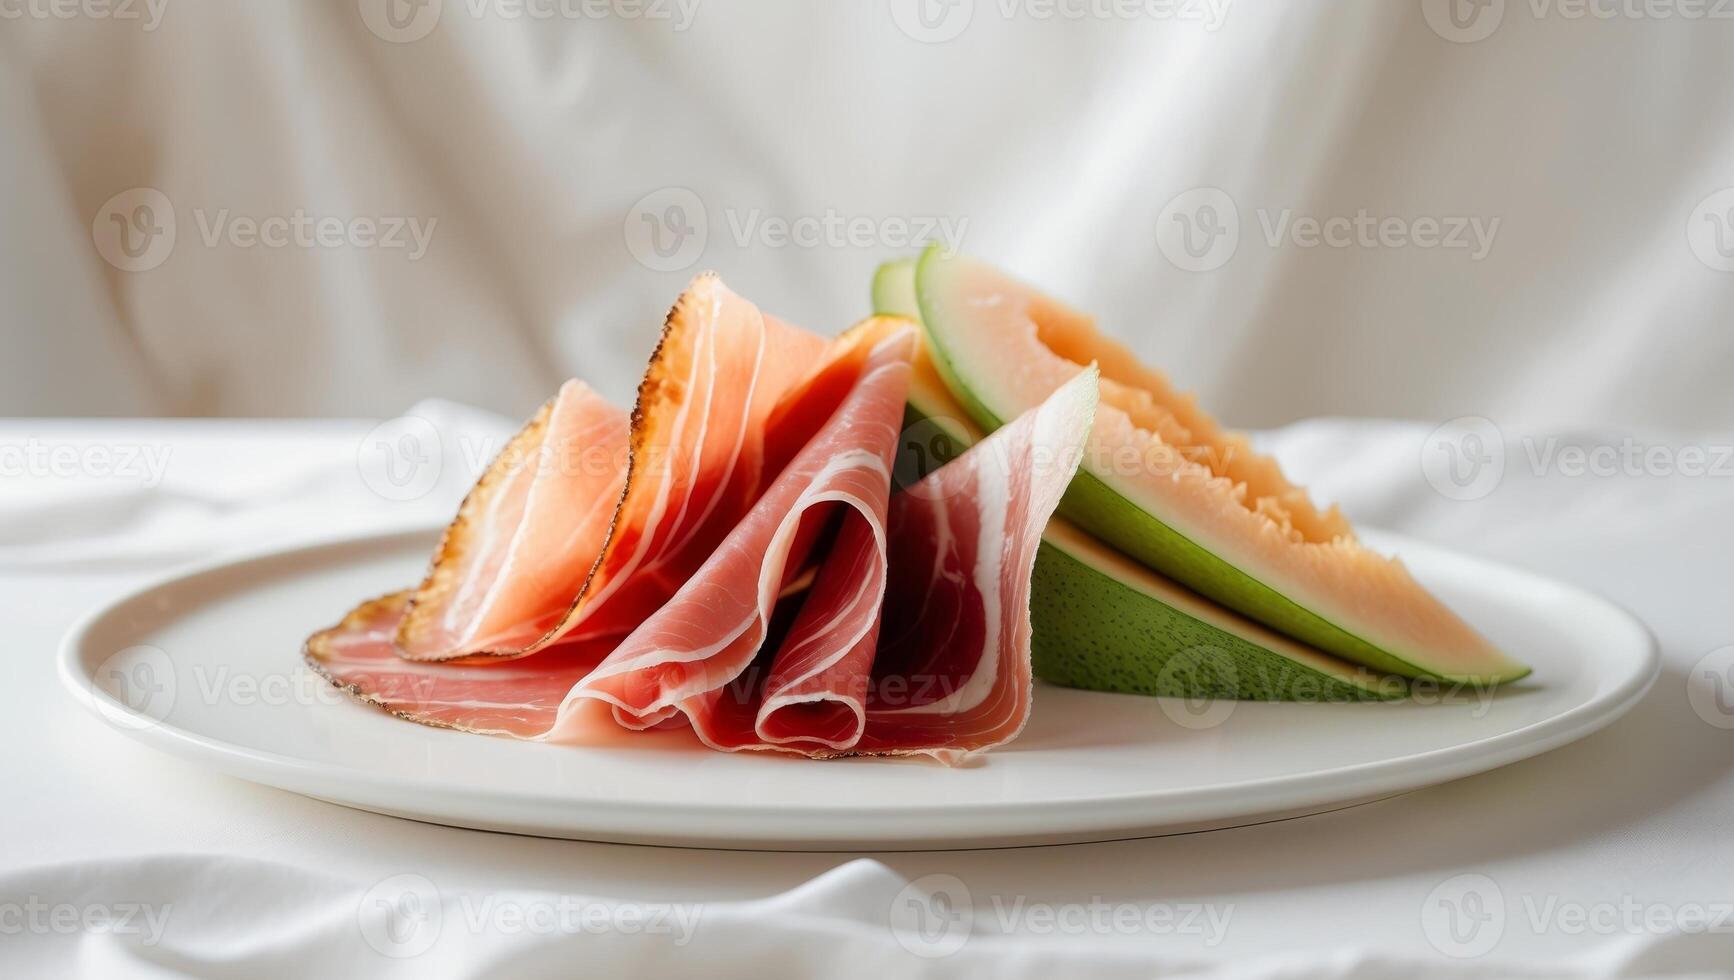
1101 621
1164 483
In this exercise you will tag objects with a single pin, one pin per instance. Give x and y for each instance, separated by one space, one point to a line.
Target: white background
1592 136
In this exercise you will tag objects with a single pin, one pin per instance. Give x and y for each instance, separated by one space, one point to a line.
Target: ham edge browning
754 551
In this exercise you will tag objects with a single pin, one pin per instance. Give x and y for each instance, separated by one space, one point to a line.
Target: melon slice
1102 621
1163 483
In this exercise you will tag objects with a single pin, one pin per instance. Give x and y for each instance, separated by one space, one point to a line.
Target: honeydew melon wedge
1163 483
1102 621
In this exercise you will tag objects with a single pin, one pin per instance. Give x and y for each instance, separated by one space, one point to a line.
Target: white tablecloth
1609 857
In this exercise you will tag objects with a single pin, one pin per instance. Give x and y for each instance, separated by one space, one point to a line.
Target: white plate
206 665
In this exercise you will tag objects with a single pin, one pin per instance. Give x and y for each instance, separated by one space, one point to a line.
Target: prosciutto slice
953 673
756 578
689 654
517 556
520 698
582 525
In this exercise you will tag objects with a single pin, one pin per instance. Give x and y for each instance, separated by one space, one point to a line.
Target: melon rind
1109 624
1102 622
1109 515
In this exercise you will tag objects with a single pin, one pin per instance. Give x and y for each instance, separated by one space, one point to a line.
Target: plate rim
1344 784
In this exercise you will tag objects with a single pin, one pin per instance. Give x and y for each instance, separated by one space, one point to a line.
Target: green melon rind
1105 512
1103 623
1104 628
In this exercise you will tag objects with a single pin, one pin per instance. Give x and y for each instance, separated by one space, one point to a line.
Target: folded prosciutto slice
756 576
689 655
516 558
546 546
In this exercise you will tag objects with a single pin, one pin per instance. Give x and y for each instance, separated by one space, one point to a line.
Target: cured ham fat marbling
585 524
734 558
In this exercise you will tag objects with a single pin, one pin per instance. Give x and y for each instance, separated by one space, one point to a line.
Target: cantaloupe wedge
1102 621
1163 483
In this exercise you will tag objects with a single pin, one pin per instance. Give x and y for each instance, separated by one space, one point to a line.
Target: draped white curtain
375 201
